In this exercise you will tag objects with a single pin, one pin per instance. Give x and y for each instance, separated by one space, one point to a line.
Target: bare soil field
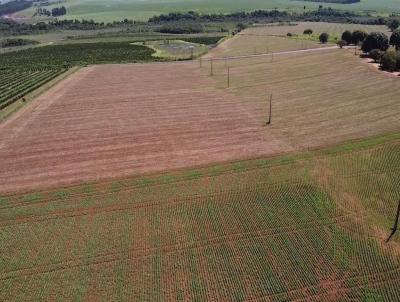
118 120
115 120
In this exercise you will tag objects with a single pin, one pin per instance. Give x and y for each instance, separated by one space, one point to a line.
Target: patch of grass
175 49
32 197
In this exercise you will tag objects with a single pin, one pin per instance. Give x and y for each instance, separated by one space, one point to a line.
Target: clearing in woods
306 227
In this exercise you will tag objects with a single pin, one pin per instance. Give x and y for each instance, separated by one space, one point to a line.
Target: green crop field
310 226
15 84
77 54
104 10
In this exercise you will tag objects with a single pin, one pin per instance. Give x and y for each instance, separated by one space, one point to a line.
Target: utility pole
229 78
270 110
396 223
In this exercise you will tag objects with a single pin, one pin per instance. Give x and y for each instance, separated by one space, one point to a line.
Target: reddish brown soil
117 120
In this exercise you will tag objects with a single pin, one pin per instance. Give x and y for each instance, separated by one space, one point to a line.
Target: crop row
76 54
23 83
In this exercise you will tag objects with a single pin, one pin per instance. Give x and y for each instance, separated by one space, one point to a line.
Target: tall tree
375 40
395 39
347 36
393 24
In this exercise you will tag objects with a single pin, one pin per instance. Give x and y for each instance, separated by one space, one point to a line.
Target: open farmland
24 71
309 227
319 98
113 120
110 121
108 11
163 182
271 38
249 42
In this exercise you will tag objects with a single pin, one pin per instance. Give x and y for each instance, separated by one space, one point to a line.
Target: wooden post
201 63
396 223
270 110
212 67
229 77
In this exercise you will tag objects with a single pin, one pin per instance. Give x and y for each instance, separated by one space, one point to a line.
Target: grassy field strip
332 89
261 55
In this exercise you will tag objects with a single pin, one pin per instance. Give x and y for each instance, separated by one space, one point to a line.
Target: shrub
347 36
358 36
393 24
308 31
323 38
398 60
376 55
395 39
289 34
241 27
389 60
375 40
341 43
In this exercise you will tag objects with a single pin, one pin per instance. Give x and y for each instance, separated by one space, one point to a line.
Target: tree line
377 45
55 12
320 15
192 22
